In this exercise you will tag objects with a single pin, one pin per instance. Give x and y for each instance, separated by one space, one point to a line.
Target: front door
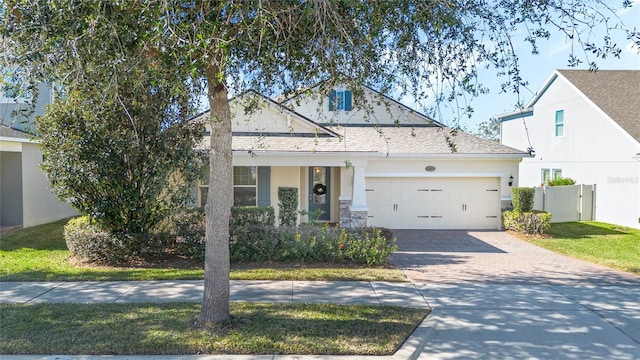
319 193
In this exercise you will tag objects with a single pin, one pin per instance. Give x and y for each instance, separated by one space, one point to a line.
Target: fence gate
566 203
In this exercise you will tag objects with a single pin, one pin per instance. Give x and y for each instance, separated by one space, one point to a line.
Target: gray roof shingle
616 92
6 131
387 140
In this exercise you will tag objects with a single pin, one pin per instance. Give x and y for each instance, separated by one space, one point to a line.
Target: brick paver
453 256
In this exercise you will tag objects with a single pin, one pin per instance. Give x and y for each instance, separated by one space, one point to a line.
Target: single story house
584 125
378 164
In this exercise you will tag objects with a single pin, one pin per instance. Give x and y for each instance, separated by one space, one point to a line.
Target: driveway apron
495 296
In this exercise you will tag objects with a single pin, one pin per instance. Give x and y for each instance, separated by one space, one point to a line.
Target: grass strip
605 244
172 328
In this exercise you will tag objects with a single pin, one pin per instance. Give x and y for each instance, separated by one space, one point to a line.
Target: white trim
438 175
20 140
456 156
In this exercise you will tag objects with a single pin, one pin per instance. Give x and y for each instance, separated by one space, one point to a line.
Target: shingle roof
616 92
6 131
421 140
389 140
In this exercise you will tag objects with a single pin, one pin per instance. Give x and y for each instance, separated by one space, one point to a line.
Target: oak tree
430 50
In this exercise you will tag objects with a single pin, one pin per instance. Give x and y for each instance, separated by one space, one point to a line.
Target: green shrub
188 231
311 244
533 222
560 181
522 199
86 241
252 215
288 204
253 243
367 246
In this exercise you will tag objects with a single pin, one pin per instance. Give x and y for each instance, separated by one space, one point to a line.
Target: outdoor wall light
511 180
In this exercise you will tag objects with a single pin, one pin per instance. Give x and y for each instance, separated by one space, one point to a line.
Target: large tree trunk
215 304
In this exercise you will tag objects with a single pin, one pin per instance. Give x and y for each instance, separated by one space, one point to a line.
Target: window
557 173
245 186
340 100
546 175
550 174
203 186
246 181
559 123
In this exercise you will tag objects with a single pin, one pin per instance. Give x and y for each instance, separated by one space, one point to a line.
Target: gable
366 108
615 92
254 114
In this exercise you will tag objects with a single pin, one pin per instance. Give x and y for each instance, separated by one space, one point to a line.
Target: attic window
340 100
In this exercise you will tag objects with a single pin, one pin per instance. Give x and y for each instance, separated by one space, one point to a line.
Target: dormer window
340 100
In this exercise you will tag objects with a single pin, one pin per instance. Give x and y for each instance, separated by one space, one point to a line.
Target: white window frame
254 186
559 125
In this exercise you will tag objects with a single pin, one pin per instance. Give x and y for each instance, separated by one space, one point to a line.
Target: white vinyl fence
566 203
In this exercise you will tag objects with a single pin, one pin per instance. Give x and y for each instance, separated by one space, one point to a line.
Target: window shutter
348 100
264 186
332 101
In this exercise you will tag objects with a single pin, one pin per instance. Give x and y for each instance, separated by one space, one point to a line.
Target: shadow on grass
172 329
578 230
41 237
117 274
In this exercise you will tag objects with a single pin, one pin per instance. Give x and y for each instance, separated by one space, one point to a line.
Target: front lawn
605 244
172 328
40 254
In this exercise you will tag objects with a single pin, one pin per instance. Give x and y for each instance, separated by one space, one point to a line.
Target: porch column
359 209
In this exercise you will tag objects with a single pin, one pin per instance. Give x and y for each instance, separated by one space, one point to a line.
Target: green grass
40 254
605 244
172 328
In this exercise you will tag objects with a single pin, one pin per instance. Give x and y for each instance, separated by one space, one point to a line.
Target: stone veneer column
345 213
358 209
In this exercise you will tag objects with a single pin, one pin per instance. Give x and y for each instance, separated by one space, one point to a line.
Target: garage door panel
434 203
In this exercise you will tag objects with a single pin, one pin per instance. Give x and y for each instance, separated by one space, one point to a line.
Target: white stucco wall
40 205
11 187
448 167
593 150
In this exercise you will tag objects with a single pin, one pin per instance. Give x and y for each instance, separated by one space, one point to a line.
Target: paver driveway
454 256
497 297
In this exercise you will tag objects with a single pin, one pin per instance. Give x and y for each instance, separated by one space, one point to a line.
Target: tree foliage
489 129
430 50
116 135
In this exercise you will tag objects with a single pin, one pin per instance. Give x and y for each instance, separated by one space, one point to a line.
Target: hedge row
311 244
253 238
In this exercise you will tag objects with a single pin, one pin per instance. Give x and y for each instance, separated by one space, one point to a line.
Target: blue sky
536 69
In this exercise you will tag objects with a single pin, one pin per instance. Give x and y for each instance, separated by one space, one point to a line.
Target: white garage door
434 203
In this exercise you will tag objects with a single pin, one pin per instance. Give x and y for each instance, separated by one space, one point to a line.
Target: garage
434 202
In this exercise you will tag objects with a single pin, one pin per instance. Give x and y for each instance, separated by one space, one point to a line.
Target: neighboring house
389 166
586 126
25 196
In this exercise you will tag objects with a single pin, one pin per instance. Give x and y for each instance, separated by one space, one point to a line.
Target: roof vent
430 168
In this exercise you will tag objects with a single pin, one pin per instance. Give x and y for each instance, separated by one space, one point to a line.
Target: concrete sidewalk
468 321
334 292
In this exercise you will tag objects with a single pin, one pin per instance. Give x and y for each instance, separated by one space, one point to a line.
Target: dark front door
319 193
